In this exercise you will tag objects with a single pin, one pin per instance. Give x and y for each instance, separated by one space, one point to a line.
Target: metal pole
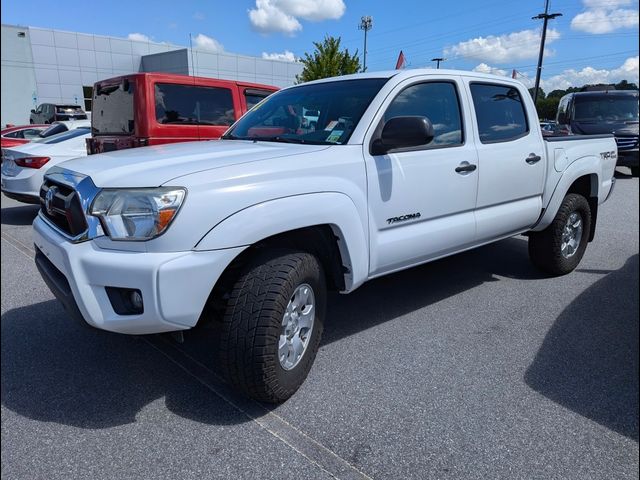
545 19
438 60
364 63
366 23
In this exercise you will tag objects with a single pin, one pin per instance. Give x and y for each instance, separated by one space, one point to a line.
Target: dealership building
41 65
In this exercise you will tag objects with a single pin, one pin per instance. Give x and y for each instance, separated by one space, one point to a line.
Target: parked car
610 111
24 166
51 112
250 232
155 108
63 126
17 135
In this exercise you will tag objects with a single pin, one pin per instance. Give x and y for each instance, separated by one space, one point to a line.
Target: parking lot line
303 444
18 245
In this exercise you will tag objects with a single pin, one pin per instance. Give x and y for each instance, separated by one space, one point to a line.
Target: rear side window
191 105
438 101
500 112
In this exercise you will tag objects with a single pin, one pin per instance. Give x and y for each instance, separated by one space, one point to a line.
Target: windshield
285 116
611 108
61 137
112 109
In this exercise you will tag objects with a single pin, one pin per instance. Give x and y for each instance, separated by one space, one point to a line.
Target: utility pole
366 24
438 60
546 16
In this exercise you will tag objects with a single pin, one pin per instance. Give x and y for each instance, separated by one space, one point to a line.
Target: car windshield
286 116
610 108
61 137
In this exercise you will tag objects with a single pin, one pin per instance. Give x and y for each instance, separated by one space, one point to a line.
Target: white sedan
24 167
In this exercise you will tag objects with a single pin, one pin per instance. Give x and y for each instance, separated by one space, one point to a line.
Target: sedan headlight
137 214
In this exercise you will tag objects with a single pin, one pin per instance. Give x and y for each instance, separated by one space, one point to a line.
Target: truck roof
402 74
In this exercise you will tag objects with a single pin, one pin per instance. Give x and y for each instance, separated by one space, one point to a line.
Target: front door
422 199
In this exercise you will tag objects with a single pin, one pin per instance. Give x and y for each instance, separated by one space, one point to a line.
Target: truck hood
159 164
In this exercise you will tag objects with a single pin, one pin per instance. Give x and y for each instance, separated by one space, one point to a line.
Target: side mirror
402 132
562 118
33 110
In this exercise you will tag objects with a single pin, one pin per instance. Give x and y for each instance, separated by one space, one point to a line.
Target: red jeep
154 108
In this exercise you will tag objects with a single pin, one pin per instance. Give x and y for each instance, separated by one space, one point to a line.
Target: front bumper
175 286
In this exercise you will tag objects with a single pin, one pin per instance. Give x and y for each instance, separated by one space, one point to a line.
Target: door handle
533 158
465 167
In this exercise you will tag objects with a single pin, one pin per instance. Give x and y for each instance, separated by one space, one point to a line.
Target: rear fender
258 222
590 165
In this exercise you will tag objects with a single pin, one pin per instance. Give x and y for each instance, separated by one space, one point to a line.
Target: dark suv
609 111
51 112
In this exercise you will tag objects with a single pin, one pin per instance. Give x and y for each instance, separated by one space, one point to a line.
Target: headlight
137 214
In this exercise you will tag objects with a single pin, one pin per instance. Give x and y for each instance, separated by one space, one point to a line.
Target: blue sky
594 40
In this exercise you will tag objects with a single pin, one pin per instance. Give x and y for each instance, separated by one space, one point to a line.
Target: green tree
328 60
541 94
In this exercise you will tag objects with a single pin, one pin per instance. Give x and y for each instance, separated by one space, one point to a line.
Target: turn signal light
32 162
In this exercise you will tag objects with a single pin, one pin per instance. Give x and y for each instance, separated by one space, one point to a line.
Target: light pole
438 60
546 16
366 24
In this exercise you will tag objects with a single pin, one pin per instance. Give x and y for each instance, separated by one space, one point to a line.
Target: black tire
635 171
252 324
545 246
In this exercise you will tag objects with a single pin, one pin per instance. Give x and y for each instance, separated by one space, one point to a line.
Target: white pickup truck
250 232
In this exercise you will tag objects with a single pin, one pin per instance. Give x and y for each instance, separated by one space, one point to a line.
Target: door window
500 112
253 97
438 101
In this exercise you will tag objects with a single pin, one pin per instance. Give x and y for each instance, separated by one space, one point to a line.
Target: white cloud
138 37
503 48
484 68
604 21
604 16
589 75
204 42
286 56
282 15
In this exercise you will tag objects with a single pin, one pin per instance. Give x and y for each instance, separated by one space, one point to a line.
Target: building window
87 93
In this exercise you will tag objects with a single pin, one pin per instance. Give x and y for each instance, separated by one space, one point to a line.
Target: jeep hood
160 164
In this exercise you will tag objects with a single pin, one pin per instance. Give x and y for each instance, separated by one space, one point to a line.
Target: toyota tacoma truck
250 232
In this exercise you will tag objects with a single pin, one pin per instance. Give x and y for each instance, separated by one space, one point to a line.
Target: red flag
401 61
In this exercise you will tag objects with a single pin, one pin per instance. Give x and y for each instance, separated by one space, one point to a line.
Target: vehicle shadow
588 361
55 370
19 216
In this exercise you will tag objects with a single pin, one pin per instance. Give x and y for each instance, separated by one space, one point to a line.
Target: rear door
422 199
511 159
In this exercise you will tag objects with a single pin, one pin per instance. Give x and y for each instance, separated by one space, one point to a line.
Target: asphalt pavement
474 366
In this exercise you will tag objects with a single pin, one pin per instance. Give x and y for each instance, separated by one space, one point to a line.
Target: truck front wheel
558 249
272 324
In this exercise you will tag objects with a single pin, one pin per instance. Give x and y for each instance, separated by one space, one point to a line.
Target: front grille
61 205
627 142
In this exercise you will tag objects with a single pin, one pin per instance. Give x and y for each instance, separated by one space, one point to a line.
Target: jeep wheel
272 325
559 248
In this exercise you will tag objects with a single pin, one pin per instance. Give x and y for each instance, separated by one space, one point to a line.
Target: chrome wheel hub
571 235
297 325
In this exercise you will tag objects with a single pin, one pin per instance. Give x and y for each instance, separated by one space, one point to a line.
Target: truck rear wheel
558 249
272 325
